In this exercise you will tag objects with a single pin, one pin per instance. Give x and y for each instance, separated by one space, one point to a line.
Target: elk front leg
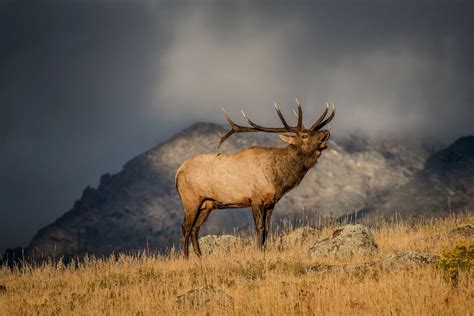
258 213
268 215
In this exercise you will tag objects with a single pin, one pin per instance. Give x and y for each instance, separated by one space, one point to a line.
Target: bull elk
256 177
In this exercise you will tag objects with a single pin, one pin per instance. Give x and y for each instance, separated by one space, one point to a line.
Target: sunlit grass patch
278 281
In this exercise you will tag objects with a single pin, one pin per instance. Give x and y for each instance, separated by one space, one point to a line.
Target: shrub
461 258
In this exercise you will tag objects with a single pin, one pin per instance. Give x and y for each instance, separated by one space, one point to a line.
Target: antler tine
321 118
227 117
294 113
224 137
228 133
234 128
323 123
282 119
300 115
330 116
249 121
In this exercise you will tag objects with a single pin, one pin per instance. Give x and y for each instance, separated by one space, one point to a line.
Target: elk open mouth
324 142
326 137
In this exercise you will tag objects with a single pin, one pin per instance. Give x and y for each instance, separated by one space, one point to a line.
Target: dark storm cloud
85 86
74 86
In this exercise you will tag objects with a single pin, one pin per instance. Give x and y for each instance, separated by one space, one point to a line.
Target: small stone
205 296
346 242
409 259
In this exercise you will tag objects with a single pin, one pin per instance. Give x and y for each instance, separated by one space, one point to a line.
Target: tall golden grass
275 282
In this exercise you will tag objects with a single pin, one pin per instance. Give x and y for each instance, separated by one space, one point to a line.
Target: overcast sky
86 86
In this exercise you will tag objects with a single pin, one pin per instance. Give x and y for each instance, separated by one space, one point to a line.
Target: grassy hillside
276 282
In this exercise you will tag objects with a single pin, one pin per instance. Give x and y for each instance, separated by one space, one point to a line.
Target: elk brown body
256 177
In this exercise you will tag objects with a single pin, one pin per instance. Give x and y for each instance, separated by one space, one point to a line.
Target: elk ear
288 139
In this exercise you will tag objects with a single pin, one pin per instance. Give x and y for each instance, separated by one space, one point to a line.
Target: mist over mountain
139 208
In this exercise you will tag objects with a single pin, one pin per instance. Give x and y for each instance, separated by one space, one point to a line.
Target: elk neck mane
289 166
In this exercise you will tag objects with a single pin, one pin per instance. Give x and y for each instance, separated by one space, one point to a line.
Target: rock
409 259
298 237
348 241
205 296
463 230
210 243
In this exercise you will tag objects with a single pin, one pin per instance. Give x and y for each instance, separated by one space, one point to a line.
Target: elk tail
176 181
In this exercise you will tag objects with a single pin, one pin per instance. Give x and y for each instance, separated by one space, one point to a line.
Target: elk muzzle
324 141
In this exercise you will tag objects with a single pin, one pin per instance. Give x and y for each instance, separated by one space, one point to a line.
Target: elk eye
304 136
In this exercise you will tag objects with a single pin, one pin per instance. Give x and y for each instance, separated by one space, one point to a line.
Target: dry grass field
277 282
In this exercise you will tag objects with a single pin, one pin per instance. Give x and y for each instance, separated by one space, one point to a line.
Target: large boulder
348 241
409 259
205 296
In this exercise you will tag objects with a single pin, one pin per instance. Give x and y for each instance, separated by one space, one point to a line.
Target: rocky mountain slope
445 184
139 208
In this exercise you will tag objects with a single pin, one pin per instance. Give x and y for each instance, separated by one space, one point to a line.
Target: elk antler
320 123
234 128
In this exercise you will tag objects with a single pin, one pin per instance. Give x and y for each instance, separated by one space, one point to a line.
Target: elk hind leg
191 213
205 209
